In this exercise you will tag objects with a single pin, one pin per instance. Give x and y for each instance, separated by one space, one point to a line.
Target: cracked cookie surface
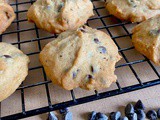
83 58
7 15
13 69
56 16
133 10
146 38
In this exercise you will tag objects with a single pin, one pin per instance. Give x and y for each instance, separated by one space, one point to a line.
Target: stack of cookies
80 56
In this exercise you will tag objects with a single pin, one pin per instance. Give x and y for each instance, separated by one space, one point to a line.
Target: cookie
133 10
82 58
13 69
7 15
146 38
56 16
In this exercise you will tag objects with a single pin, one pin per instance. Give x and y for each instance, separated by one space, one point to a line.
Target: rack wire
75 101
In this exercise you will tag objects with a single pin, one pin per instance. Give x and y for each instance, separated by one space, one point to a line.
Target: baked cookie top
133 10
7 15
82 58
146 38
13 69
56 16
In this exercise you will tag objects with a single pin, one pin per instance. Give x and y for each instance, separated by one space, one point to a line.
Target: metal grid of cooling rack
75 101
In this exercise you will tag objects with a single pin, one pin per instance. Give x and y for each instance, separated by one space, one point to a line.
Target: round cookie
146 38
13 69
56 16
133 10
7 15
83 58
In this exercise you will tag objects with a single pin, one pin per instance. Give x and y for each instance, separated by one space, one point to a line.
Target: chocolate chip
7 56
93 115
52 116
60 7
140 114
74 74
101 116
158 113
60 56
92 69
82 30
8 15
96 40
84 27
139 105
89 76
102 49
152 115
68 116
129 109
115 115
132 116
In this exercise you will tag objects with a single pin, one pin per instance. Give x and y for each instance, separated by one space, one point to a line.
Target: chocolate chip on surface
93 115
129 109
152 115
102 50
139 105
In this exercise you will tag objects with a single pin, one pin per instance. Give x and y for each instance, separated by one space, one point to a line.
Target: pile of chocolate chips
136 112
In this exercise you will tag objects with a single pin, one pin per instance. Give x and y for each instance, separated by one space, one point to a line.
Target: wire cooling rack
101 19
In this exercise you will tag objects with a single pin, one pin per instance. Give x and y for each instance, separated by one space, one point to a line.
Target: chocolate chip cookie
56 16
13 69
7 15
133 10
146 38
83 58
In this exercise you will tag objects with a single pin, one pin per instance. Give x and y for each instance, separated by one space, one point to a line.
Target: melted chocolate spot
96 40
7 56
102 49
89 76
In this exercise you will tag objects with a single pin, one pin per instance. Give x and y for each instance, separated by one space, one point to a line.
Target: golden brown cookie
83 58
13 69
146 38
56 16
133 10
7 15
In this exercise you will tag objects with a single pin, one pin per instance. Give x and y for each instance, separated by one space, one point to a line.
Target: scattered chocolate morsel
129 109
93 115
158 113
93 69
102 49
74 75
68 116
115 115
51 116
89 76
7 56
152 115
82 30
140 114
123 118
96 40
60 7
139 105
132 116
84 27
101 116
63 111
